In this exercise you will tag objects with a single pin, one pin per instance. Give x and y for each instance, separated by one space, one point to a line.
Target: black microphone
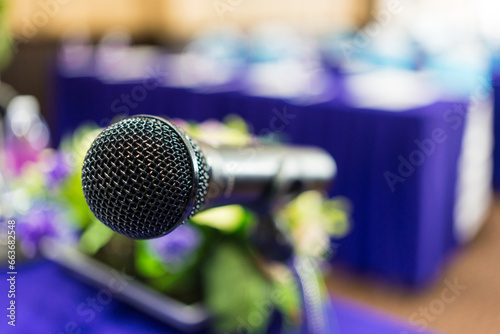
143 176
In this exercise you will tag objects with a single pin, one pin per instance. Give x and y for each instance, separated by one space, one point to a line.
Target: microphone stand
274 244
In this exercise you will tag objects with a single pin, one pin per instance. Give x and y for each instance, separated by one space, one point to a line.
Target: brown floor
475 309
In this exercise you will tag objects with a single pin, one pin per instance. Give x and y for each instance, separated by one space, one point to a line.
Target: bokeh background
402 93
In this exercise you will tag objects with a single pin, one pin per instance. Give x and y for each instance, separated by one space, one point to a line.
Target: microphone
143 176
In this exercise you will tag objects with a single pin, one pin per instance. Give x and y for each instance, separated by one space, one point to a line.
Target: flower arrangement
211 259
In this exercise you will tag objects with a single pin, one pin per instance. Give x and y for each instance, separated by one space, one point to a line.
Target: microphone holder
274 244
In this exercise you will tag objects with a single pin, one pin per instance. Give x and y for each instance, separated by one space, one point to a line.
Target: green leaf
95 237
71 194
146 263
236 291
237 123
181 283
337 213
228 218
286 296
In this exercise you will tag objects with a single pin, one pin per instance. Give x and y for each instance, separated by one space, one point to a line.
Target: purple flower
40 222
177 247
58 169
18 154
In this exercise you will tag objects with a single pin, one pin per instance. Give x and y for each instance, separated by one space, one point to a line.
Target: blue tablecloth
48 300
402 232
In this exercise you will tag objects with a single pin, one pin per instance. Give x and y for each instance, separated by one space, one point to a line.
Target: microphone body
143 176
258 175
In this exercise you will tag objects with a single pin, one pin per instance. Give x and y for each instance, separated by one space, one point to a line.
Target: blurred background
403 94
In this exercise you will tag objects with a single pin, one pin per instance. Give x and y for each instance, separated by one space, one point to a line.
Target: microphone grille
143 177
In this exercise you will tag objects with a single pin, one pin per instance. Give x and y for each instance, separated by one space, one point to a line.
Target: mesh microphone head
143 177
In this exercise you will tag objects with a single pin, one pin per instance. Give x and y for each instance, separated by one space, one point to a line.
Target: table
48 300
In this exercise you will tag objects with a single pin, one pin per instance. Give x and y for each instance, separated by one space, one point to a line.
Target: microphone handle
257 176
